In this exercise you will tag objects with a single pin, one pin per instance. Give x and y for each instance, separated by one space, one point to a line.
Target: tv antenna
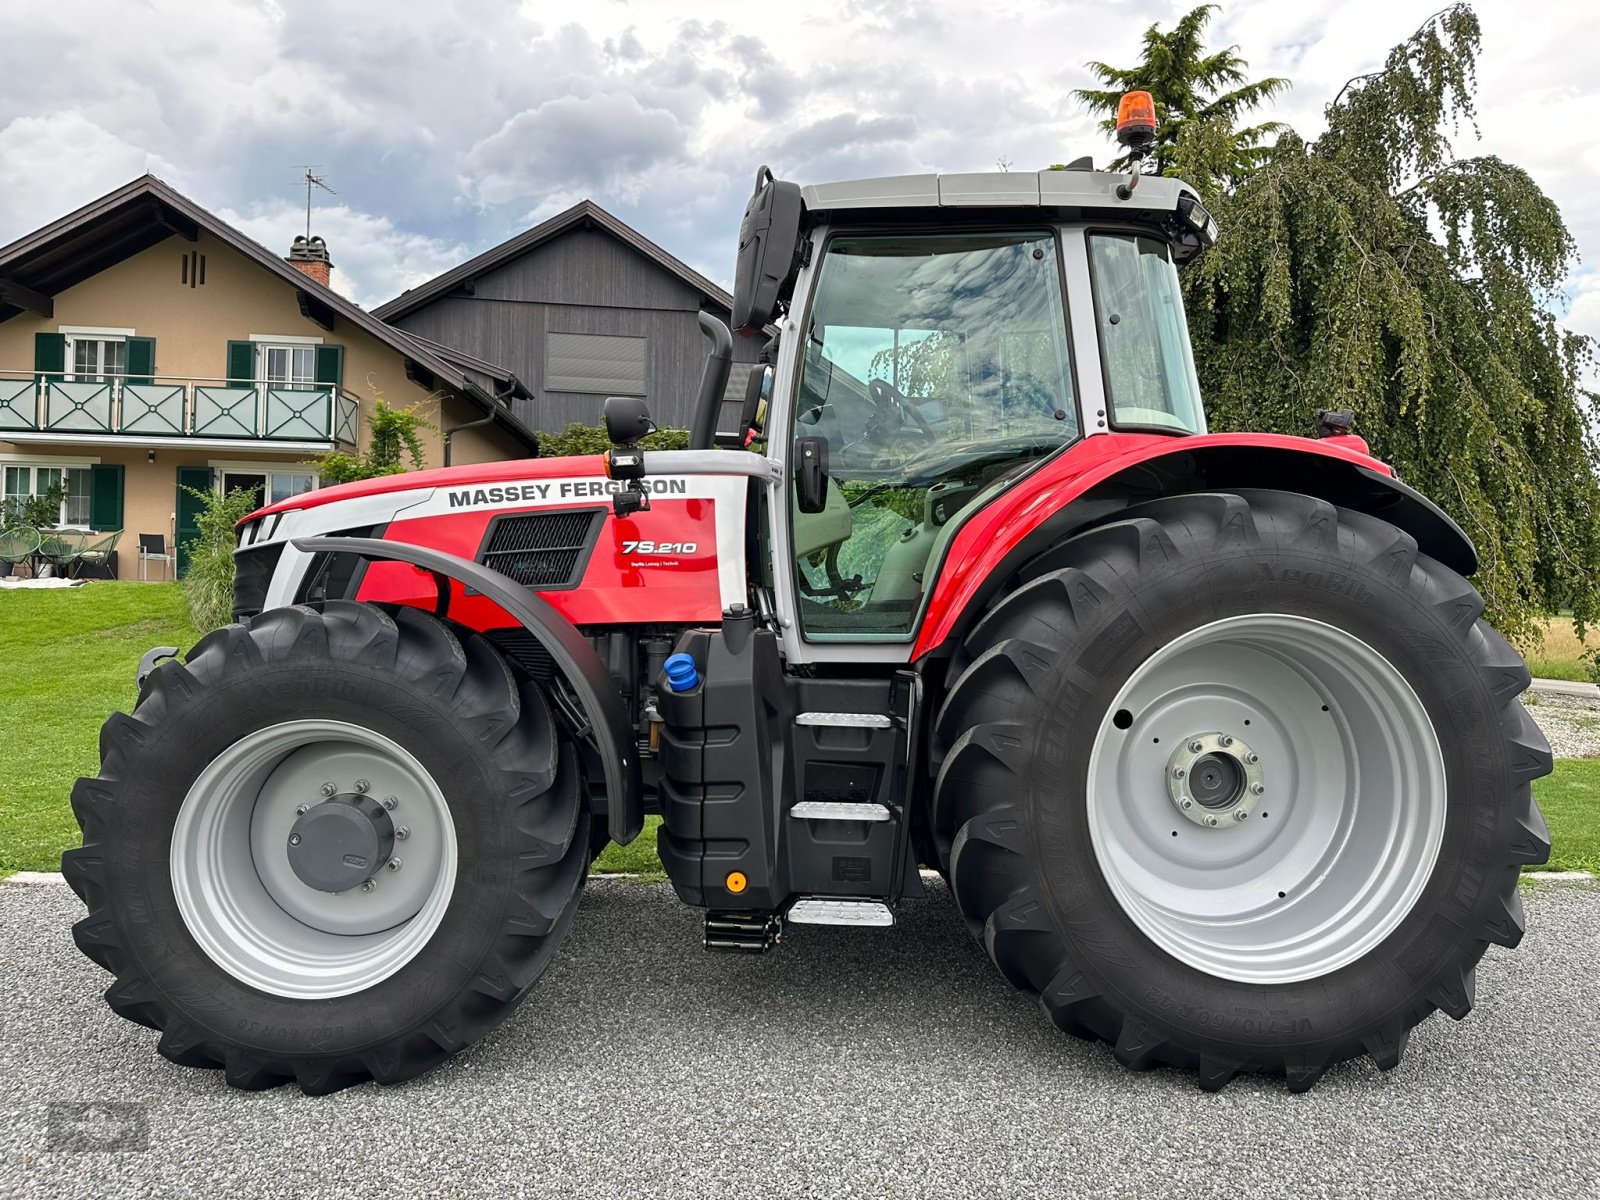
313 181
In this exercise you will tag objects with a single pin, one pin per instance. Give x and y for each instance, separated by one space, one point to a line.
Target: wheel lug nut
294 839
1258 789
1240 815
1178 772
1252 758
370 885
1224 740
1186 803
362 785
328 789
394 864
403 832
389 802
1196 746
1212 821
302 809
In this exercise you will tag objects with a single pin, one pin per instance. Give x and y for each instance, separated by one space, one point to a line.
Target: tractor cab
939 337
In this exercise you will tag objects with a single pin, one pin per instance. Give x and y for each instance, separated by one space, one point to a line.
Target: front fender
579 665
1093 480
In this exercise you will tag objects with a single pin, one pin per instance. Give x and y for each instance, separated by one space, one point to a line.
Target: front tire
1240 782
445 841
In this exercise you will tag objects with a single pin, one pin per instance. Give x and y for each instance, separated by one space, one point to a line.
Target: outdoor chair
98 560
59 548
153 548
17 545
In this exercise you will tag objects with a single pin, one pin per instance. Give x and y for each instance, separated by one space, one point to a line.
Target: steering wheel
886 396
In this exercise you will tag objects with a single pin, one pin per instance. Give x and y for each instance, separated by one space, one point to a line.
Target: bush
394 438
208 583
577 440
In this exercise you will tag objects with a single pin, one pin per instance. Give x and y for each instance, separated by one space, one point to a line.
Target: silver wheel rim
1343 809
247 908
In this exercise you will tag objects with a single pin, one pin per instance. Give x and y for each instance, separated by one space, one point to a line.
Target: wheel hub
338 844
1215 779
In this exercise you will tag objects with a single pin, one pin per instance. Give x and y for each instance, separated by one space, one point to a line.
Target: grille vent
544 551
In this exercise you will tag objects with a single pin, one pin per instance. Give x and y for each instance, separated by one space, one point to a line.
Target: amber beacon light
1136 129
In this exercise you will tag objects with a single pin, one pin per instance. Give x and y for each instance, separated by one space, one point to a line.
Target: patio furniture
17 545
59 548
98 559
153 548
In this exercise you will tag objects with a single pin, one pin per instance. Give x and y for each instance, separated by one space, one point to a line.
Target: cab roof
1066 189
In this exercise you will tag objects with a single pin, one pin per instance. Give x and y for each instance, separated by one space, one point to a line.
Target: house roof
582 214
146 211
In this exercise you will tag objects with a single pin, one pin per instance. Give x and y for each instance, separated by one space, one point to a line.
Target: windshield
1144 339
934 365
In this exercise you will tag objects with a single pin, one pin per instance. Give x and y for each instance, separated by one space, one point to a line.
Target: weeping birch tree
1376 269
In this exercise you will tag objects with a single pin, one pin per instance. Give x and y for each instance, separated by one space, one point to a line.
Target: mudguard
1098 477
579 665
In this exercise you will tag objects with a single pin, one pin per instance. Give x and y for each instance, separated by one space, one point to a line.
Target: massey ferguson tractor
1203 732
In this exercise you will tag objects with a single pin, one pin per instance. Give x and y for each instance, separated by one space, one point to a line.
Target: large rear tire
334 844
1240 782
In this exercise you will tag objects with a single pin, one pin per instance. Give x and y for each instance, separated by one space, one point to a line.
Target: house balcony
189 411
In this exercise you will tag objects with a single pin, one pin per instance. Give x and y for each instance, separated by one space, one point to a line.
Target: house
580 307
147 347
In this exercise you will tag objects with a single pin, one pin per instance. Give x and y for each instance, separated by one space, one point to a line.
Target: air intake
543 551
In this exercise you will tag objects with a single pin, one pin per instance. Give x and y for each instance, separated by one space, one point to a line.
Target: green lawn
70 656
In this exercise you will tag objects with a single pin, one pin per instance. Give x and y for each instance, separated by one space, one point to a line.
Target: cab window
935 367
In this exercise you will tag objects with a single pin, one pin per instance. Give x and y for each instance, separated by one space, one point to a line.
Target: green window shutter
330 366
105 496
241 361
140 363
49 352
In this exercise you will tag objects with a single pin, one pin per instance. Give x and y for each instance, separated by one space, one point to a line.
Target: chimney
310 255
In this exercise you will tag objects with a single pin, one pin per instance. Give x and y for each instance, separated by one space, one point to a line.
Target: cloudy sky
448 125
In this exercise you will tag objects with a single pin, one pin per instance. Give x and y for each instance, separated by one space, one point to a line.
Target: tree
1196 119
1372 269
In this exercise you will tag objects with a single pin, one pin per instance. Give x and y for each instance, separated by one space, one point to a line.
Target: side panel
680 562
978 554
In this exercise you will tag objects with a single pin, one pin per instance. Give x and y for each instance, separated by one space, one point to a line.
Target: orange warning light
1136 118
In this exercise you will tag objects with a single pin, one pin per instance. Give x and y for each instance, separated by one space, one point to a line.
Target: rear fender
579 665
1098 478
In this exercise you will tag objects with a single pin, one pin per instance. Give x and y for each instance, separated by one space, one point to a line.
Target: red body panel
490 472
681 587
991 533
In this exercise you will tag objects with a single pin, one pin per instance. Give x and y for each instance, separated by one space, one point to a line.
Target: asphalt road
852 1062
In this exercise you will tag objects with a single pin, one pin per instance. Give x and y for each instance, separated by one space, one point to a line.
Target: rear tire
232 956
1082 895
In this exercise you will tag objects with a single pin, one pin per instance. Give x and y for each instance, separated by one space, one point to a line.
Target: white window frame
94 333
33 462
220 467
267 342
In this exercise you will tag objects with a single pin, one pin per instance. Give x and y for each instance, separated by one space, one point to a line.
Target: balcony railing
171 407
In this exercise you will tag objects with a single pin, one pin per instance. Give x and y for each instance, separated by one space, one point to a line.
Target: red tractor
1203 731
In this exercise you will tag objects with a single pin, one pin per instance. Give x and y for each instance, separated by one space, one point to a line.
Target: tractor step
839 810
832 910
742 932
845 720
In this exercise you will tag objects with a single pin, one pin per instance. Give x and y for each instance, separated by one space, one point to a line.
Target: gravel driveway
1571 724
860 1062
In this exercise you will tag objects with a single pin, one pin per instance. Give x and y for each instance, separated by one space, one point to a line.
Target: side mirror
627 419
769 252
811 475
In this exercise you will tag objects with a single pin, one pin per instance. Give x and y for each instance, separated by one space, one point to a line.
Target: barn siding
582 281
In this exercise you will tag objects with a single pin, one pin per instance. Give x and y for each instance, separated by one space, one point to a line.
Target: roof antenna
314 181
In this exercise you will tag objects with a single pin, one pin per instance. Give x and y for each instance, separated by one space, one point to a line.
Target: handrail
106 414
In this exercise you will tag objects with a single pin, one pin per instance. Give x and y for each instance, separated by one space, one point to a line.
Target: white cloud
449 127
